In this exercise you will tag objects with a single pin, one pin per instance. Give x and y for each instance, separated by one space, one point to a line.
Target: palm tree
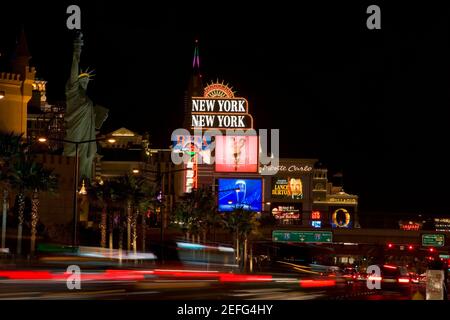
30 175
242 223
192 214
117 196
100 194
130 190
10 147
144 199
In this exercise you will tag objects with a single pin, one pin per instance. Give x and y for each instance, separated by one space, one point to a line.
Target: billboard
287 188
341 217
200 145
286 213
240 193
220 113
236 153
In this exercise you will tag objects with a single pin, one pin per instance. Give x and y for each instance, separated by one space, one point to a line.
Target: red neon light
315 215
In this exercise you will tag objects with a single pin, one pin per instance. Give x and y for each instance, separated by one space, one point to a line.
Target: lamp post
75 180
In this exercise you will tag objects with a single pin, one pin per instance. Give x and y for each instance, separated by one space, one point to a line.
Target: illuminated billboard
236 153
286 213
287 188
239 194
201 145
341 218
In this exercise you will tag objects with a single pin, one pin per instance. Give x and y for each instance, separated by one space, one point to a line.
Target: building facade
296 192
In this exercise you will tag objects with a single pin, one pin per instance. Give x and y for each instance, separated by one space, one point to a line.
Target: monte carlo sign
220 113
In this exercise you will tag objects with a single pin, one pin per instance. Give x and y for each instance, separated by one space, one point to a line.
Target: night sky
372 103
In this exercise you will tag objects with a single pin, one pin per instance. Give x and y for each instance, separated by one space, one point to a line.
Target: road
189 289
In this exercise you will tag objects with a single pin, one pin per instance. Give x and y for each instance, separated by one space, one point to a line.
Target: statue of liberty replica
82 117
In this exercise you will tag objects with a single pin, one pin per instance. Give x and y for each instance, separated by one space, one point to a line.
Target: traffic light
410 247
390 245
431 249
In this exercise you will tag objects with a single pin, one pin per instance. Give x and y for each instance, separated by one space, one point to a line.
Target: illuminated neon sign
315 215
220 109
191 170
337 221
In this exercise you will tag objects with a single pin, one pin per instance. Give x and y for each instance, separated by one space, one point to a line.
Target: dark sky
373 103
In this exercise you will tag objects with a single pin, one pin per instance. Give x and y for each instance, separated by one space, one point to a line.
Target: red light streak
317 283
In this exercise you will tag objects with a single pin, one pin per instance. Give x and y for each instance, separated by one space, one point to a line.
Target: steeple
21 56
18 88
195 87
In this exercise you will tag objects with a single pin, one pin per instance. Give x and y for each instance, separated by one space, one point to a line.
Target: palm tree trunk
5 212
237 249
251 258
34 219
120 243
245 254
111 230
129 225
21 210
103 228
134 230
144 230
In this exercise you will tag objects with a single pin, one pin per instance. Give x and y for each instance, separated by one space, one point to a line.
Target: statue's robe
82 119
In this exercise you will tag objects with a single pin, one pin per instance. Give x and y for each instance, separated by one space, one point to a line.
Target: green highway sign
433 240
444 256
302 236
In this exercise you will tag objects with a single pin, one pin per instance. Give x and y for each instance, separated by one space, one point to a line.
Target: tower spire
194 88
196 59
22 46
21 56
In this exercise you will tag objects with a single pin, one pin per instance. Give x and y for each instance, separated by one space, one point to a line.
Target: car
393 278
350 275
415 278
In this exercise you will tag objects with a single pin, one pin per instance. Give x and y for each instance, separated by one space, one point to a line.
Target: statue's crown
86 73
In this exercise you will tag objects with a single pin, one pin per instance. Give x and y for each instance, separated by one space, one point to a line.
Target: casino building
218 155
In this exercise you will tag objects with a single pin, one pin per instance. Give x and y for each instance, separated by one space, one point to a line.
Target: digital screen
287 188
286 211
341 217
236 153
316 224
240 194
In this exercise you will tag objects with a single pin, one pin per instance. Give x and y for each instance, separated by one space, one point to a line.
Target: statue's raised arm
75 71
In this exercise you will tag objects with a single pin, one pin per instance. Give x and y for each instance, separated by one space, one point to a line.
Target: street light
2 94
75 182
